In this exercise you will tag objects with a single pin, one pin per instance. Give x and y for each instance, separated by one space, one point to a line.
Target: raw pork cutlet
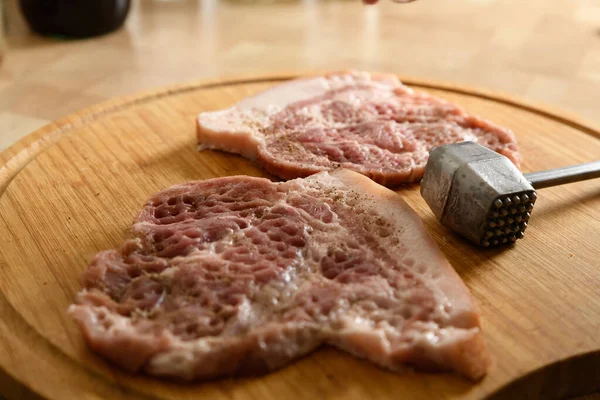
240 276
371 124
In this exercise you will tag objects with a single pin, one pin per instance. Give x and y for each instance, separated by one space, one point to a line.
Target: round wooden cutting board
73 188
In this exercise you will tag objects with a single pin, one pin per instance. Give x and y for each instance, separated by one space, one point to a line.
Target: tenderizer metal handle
560 176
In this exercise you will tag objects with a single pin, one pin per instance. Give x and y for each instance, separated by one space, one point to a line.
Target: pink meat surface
371 124
240 276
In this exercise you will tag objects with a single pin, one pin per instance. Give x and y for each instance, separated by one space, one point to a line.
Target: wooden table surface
547 52
544 51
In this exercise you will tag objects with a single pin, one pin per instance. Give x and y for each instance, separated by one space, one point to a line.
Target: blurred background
546 51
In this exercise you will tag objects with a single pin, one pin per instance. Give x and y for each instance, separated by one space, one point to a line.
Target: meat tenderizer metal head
481 195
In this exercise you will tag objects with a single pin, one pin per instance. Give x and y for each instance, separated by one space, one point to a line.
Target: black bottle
75 18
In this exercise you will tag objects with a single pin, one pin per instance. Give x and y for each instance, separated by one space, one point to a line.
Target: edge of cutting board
18 155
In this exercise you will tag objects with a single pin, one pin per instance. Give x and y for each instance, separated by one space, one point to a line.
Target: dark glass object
75 18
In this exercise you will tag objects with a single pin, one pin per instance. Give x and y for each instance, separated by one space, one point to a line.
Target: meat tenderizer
481 195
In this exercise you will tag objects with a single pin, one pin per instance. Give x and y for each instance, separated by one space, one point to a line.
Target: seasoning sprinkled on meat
371 124
238 275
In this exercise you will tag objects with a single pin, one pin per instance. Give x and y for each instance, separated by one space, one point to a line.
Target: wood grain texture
549 53
72 189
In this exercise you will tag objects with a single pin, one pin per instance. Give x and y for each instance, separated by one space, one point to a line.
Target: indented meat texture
239 275
371 124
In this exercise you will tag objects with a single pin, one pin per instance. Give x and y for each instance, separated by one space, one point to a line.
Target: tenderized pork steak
371 124
239 275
